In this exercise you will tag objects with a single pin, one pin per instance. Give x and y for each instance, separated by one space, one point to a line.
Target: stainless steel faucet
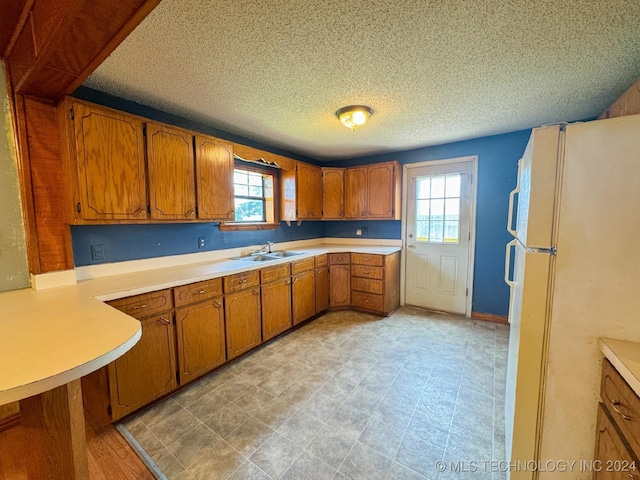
266 248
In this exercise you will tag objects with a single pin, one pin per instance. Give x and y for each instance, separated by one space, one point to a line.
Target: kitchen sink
283 254
266 257
257 258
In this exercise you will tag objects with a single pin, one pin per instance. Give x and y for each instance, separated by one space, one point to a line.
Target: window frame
271 204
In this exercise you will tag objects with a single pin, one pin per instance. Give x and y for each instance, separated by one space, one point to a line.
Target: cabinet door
172 189
380 190
214 178
110 164
612 453
309 191
355 192
276 308
242 314
339 285
333 193
201 341
303 293
147 371
322 289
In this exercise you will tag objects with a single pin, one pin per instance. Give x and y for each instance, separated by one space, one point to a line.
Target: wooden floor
110 456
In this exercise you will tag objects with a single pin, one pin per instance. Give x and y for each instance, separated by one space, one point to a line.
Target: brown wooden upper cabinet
301 192
333 193
106 164
373 191
214 173
184 176
172 189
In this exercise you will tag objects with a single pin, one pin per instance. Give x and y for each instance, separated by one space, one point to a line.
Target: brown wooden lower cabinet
190 330
375 282
339 286
147 371
322 289
276 308
617 431
303 294
614 459
201 339
243 325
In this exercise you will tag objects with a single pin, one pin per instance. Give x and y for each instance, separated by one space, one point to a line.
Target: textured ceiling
433 71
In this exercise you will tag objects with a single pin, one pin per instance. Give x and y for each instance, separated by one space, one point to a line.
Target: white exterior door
438 236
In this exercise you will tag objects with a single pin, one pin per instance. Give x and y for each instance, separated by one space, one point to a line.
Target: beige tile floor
348 396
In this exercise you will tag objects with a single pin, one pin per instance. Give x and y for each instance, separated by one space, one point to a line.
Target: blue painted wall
497 171
133 242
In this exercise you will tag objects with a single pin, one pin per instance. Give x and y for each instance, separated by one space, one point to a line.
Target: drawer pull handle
295 279
165 321
137 307
201 292
633 476
287 282
255 291
616 407
367 272
217 304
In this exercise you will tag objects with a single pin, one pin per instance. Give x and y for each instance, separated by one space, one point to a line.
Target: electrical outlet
97 252
200 242
365 230
358 232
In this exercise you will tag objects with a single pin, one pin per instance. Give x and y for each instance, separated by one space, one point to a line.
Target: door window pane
435 231
438 208
422 231
452 185
452 208
424 187
422 210
451 234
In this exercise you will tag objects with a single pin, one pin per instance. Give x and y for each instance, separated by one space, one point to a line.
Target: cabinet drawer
197 291
367 285
339 258
276 272
321 260
367 301
367 272
140 306
611 449
302 265
623 404
239 281
367 259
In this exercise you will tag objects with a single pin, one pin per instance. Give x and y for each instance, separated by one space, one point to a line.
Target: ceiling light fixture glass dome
354 115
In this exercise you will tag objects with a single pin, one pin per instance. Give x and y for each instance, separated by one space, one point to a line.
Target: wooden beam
59 43
13 16
55 434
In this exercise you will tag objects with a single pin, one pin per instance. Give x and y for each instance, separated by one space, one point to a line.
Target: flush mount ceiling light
354 115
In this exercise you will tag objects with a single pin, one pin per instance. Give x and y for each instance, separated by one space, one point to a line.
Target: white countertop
625 357
51 337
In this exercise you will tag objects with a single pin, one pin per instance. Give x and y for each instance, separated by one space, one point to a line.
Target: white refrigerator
575 278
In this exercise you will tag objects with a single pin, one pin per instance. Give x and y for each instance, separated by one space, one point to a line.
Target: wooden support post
55 446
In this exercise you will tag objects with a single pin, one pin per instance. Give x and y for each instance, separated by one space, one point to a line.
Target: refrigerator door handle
512 195
507 264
